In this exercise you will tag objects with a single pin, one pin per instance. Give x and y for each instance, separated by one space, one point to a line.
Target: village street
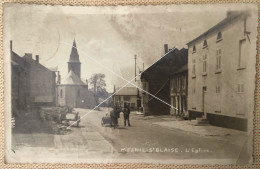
143 135
144 141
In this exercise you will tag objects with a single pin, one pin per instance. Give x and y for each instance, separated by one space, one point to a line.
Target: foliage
97 82
98 86
52 114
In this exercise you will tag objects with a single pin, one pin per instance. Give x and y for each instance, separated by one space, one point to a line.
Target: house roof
25 61
231 16
167 65
127 91
72 79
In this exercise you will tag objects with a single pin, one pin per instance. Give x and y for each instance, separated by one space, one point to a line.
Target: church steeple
74 56
74 63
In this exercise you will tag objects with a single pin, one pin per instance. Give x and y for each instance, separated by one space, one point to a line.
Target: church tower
74 63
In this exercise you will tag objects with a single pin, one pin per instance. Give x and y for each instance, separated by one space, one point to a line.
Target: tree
98 85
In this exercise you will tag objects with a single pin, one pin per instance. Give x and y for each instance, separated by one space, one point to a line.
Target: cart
69 117
107 120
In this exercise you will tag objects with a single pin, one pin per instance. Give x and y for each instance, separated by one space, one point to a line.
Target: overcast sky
111 35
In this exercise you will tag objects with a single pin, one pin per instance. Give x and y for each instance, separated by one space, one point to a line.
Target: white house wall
229 102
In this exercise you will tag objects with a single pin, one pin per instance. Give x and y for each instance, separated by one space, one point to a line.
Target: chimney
28 56
231 14
166 48
37 58
11 45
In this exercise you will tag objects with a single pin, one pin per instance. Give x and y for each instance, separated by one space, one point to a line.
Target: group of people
115 114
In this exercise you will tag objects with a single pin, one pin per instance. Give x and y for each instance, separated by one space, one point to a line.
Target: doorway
204 90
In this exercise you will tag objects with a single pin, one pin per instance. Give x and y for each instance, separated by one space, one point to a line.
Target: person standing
114 115
127 115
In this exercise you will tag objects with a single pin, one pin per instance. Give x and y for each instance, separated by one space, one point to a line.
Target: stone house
179 91
32 84
156 81
127 95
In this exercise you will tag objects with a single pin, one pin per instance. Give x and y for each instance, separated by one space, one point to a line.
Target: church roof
74 56
72 79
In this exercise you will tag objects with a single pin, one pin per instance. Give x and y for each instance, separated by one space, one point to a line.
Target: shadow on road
31 123
124 128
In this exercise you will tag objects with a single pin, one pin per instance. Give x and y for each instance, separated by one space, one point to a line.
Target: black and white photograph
159 84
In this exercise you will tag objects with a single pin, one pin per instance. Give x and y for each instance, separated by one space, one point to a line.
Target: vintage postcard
168 84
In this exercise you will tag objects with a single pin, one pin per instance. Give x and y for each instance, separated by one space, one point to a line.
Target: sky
110 35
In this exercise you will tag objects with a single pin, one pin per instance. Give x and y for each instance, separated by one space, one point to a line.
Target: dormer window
194 49
219 37
205 44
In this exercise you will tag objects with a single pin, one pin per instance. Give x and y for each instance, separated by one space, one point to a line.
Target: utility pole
135 68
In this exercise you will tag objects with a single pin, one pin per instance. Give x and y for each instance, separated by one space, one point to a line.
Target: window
242 53
217 89
218 100
61 93
204 68
183 81
179 83
204 88
194 49
172 102
219 37
193 68
175 84
185 103
205 44
218 61
240 88
171 84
